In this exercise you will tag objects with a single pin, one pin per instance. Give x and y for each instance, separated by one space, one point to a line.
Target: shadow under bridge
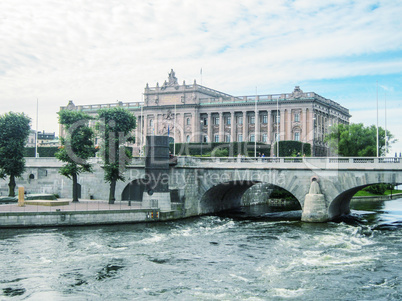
224 196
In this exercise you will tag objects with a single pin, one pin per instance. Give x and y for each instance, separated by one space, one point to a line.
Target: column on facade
137 130
195 137
221 132
182 127
233 126
210 127
245 125
156 123
310 117
145 128
257 133
305 129
269 129
289 125
282 126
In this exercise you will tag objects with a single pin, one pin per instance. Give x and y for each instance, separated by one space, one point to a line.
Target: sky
95 52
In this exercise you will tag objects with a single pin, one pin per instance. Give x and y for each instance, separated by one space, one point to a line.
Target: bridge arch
340 205
133 191
227 195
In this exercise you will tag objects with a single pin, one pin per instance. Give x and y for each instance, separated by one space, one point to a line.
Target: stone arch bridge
208 185
216 184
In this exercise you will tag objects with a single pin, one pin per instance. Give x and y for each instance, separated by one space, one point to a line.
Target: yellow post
21 202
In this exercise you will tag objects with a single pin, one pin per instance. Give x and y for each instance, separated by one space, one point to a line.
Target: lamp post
377 145
277 127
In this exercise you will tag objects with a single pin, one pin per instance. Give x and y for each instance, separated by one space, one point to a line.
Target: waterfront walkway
82 205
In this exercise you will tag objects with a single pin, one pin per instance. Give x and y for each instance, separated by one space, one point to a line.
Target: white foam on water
155 238
288 293
239 277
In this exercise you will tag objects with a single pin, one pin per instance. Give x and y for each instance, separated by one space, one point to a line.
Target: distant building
44 139
47 139
31 139
194 113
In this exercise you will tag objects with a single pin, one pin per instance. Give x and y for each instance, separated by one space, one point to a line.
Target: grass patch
363 193
388 192
366 193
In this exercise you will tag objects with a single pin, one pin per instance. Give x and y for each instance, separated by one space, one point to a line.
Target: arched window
151 122
188 138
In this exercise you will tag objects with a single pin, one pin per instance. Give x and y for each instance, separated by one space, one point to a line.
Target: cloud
103 51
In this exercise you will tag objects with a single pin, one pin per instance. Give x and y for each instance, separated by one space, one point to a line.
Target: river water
248 255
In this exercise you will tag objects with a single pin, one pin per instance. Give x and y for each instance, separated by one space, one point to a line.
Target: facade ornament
172 78
172 81
71 105
297 92
169 115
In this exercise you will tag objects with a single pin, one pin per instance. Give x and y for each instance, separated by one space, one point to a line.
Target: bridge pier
315 208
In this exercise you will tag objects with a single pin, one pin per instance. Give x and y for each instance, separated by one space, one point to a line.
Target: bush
378 189
292 148
220 149
43 151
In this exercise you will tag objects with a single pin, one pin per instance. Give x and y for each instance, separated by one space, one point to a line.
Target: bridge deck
293 163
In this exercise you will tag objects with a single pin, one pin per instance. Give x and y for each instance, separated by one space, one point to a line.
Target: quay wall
78 218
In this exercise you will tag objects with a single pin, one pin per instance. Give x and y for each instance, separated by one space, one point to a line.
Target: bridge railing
301 162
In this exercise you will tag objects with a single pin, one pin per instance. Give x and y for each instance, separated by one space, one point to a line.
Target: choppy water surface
251 256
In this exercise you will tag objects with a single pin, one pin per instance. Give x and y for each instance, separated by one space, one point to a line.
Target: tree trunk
75 188
112 191
11 186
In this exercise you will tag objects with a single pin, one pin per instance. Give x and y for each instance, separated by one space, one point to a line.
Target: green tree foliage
14 132
115 126
77 147
378 189
356 140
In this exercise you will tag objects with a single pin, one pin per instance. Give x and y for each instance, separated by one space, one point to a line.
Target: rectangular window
227 138
277 137
297 117
252 119
264 138
228 120
297 136
277 119
216 120
252 138
240 138
216 138
264 119
205 121
240 120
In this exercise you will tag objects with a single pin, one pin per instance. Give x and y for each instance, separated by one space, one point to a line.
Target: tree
356 140
115 126
77 147
14 132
